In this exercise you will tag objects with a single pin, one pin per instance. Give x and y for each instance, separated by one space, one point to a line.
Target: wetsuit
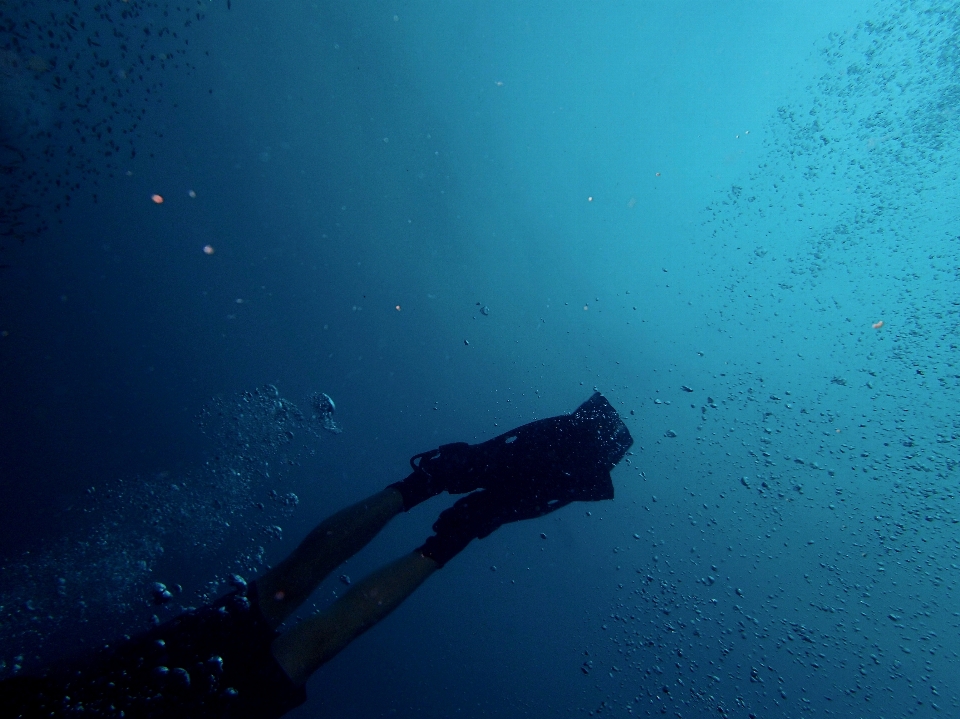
214 661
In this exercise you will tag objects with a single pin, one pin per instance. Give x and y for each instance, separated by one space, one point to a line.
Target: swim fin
560 458
531 471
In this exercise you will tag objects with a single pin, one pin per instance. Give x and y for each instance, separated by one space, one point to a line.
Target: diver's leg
316 640
285 587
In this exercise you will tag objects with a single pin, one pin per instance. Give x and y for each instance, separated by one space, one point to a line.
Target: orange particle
157 198
208 249
878 325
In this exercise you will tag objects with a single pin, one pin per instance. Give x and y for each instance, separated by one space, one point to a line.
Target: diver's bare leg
316 640
333 541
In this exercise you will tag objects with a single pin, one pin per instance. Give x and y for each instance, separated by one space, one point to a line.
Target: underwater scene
255 256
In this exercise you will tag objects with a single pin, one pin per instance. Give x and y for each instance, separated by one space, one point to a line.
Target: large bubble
324 408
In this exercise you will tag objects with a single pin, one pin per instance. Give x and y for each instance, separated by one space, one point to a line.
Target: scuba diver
227 659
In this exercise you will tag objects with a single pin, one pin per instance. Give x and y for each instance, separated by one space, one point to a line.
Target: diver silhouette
227 659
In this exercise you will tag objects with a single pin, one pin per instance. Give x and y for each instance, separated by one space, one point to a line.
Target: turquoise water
738 221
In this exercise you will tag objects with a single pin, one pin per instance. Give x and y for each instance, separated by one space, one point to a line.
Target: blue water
724 197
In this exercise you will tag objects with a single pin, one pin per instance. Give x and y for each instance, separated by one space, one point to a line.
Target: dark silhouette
228 660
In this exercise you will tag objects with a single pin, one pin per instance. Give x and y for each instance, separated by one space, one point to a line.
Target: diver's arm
332 542
318 639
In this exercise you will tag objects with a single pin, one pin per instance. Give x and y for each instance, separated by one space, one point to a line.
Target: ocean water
739 221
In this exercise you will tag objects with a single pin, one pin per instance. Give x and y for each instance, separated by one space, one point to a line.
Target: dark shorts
211 662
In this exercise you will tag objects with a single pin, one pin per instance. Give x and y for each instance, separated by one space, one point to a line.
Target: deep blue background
722 196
